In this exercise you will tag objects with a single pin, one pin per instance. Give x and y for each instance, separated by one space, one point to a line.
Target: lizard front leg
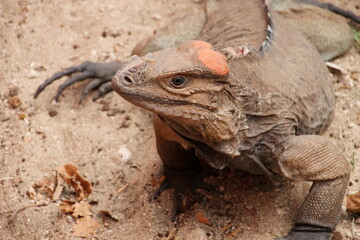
181 166
101 72
315 158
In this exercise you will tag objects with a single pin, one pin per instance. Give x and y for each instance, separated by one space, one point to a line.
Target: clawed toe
101 72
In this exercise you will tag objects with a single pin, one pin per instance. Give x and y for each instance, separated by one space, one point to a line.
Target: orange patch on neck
213 60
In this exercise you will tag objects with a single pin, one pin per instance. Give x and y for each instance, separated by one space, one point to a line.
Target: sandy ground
38 38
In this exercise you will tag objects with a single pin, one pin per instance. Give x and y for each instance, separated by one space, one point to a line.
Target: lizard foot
308 232
184 184
101 72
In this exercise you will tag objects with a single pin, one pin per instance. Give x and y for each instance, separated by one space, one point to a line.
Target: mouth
141 99
154 102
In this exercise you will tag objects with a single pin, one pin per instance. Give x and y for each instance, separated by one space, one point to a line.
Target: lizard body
228 99
250 93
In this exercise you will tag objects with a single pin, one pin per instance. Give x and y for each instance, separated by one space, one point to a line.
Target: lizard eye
178 81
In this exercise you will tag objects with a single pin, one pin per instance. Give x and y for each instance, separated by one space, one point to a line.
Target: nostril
128 79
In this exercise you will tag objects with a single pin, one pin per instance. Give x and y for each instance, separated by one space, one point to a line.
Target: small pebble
32 74
22 116
52 112
40 68
156 16
196 233
125 154
69 219
280 211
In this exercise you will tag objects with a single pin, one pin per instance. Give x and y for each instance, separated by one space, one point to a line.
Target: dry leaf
202 219
107 214
59 187
42 189
82 209
353 203
82 187
85 226
31 193
67 206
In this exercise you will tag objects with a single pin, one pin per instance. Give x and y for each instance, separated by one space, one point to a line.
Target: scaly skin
246 96
231 103
327 31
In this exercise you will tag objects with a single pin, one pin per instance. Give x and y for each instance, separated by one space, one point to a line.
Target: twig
13 216
121 189
8 178
171 234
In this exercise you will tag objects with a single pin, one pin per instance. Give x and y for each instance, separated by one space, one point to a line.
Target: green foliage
356 37
353 161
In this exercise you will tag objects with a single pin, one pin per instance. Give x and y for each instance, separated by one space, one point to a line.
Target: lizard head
187 86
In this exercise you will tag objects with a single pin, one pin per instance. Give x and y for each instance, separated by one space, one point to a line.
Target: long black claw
103 90
66 72
91 86
70 81
179 206
163 186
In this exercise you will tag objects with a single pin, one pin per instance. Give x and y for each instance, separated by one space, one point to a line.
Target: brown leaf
82 187
202 219
43 189
82 209
59 187
67 206
31 193
353 202
85 226
107 214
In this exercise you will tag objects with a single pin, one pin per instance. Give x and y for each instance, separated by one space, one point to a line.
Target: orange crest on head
212 59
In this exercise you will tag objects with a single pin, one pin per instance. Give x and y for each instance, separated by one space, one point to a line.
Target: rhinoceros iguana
250 93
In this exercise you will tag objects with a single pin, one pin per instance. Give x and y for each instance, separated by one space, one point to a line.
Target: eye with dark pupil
178 81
